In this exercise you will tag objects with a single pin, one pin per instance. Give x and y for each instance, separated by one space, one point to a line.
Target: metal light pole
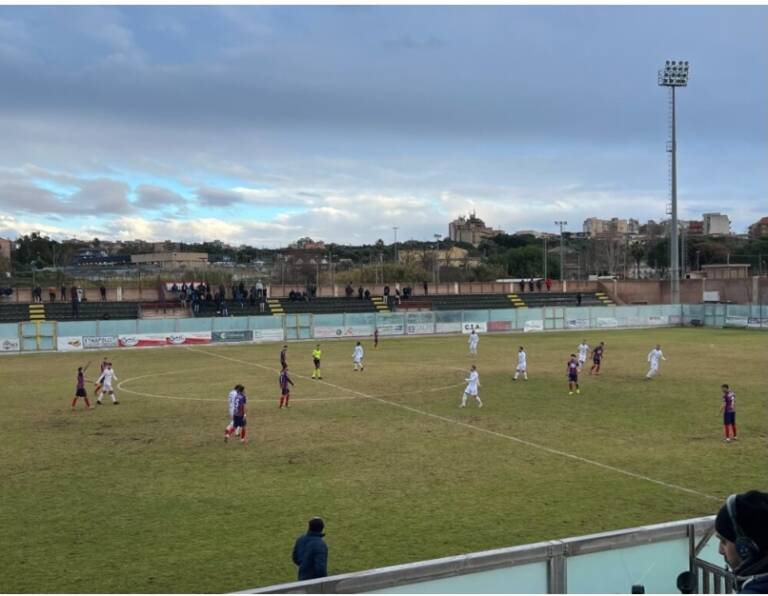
562 249
674 74
437 258
545 256
394 228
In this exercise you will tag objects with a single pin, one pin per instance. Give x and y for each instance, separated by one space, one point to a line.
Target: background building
5 248
716 223
172 259
594 226
471 230
759 228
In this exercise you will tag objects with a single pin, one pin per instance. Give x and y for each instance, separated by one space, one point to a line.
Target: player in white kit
357 358
583 352
654 356
105 381
522 366
230 429
474 339
473 383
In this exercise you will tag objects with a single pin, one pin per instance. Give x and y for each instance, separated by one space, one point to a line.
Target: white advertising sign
478 327
533 325
448 327
100 343
392 329
346 331
604 322
10 344
658 320
733 321
577 324
69 343
268 335
419 328
179 338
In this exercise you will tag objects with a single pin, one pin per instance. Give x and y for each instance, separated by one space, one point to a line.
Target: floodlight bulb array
675 73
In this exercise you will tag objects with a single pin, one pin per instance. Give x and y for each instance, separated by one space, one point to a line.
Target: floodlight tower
562 250
674 74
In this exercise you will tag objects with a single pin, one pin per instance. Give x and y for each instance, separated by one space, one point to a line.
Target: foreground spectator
310 553
742 527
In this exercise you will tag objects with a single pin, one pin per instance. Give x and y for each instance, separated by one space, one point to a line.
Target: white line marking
121 386
492 432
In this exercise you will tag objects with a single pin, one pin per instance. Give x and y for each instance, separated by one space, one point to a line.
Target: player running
357 358
317 353
573 375
654 357
80 389
522 366
283 358
597 358
285 390
231 398
239 413
474 339
105 383
376 338
728 410
473 383
583 351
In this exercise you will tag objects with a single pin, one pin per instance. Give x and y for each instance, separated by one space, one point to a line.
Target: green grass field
146 496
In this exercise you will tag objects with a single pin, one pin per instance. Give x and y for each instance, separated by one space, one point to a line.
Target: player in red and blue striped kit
285 390
238 419
728 411
573 374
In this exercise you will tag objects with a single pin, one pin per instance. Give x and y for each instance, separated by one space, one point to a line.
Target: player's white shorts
471 390
106 386
522 367
582 359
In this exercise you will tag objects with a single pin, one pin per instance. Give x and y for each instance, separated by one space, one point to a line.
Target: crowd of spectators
195 295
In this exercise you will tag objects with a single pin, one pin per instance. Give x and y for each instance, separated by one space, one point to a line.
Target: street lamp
674 74
562 250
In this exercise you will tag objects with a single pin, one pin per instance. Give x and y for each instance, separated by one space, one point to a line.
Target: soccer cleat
514 379
578 391
226 438
727 440
570 393
115 403
98 402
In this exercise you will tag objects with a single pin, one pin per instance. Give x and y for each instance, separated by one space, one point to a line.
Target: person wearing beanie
742 527
310 553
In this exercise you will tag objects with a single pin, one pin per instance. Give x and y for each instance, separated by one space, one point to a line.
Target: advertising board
265 335
454 327
343 331
147 340
734 321
69 343
478 327
658 320
231 336
533 325
392 329
91 342
496 326
577 324
605 322
10 344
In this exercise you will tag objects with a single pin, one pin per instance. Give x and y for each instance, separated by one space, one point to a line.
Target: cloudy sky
259 124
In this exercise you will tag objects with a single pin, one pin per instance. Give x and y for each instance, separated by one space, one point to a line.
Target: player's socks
479 403
525 376
282 401
733 429
74 402
287 399
463 401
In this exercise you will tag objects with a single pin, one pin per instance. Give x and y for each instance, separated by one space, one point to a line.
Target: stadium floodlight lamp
674 74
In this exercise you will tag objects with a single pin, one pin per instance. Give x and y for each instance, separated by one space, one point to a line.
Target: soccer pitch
146 496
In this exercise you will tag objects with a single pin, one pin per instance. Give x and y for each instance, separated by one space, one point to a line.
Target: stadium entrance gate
298 326
38 336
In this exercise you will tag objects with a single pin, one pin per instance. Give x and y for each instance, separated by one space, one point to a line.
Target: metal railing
554 553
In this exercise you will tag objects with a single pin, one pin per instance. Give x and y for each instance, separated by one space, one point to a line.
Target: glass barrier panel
448 316
82 328
117 328
156 325
9 330
274 322
475 316
329 320
196 324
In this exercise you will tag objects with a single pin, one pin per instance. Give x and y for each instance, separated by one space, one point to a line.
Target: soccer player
104 363
474 339
522 366
285 390
597 358
239 413
80 389
105 382
230 430
573 375
283 355
357 358
583 351
376 338
317 353
473 383
654 356
728 410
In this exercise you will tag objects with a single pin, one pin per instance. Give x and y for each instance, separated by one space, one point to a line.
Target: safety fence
85 335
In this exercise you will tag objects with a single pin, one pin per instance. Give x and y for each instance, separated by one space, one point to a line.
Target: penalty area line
494 433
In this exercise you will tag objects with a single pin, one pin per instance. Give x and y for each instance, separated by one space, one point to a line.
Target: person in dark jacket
310 552
742 527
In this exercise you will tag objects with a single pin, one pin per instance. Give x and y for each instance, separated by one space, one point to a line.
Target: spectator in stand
578 299
360 292
367 294
222 292
259 289
386 294
397 296
75 303
348 291
52 294
252 296
103 292
530 284
538 285
426 288
184 287
80 294
548 283
262 302
174 288
63 293
522 286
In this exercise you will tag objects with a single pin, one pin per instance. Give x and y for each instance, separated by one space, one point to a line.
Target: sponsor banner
268 335
478 327
603 322
675 319
577 324
499 326
345 331
448 327
100 343
69 343
419 328
533 325
658 320
231 336
732 321
10 344
392 329
146 340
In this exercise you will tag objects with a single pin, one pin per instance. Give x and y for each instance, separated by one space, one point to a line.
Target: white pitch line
121 387
494 433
